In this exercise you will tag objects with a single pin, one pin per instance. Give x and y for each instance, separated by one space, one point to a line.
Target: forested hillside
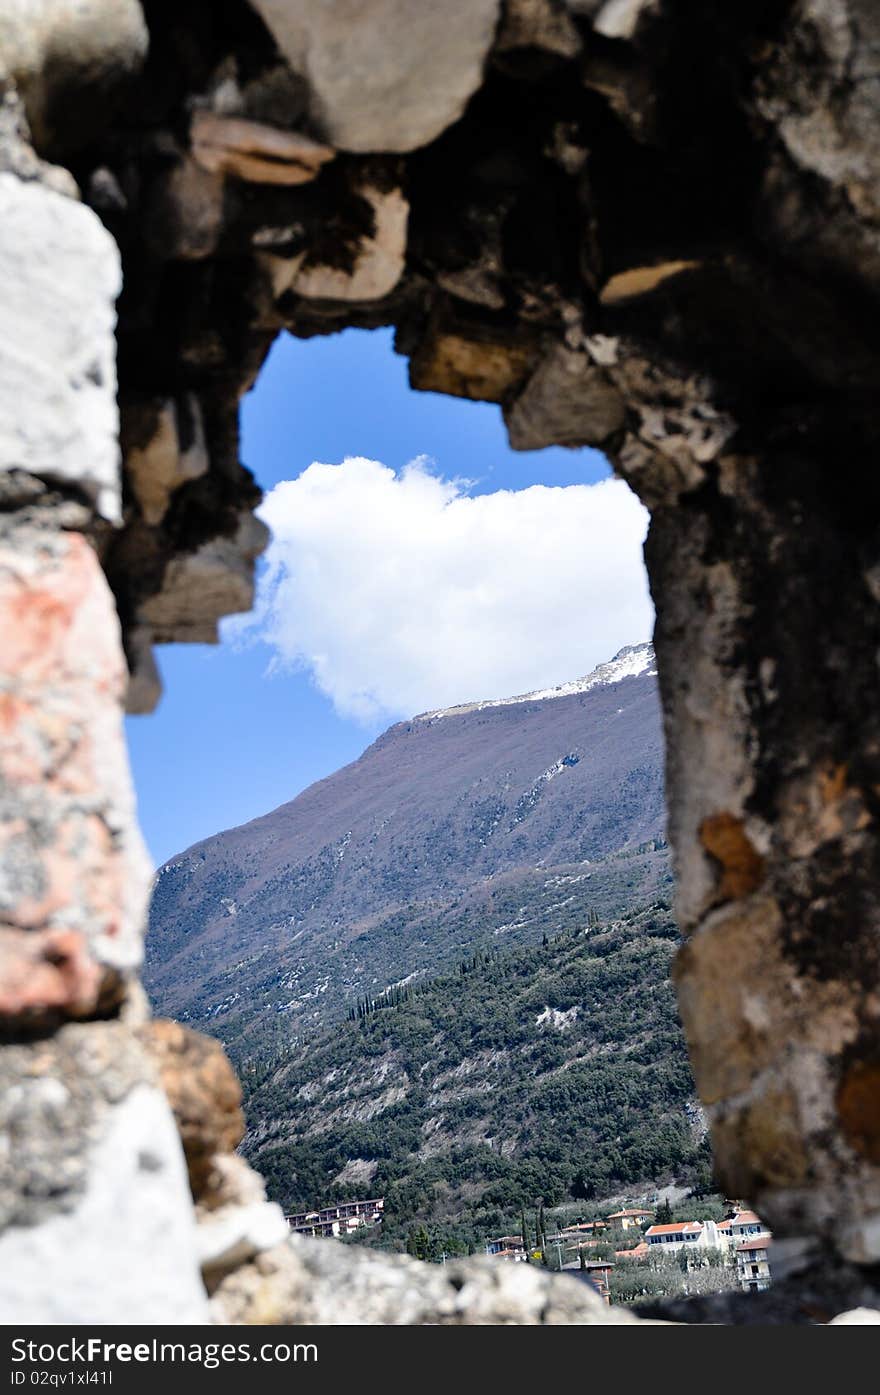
553 1071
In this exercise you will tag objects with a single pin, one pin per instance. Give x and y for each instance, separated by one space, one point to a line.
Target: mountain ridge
429 841
629 662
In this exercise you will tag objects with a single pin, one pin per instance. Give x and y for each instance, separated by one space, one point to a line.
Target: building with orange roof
684 1235
752 1263
630 1219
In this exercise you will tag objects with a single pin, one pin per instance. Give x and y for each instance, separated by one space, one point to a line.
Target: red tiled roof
633 1211
745 1218
669 1229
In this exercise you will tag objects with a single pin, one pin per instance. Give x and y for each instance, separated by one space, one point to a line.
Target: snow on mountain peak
632 661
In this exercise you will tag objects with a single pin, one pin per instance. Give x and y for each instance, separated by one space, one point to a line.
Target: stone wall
651 226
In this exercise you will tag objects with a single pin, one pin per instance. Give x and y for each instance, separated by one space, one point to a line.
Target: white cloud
400 593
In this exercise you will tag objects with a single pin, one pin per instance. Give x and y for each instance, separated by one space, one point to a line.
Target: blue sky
244 726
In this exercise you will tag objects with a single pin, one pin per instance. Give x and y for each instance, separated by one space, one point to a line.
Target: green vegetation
666 1276
271 991
525 1078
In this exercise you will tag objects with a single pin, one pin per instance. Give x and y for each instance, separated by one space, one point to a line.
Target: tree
582 1187
418 1243
663 1215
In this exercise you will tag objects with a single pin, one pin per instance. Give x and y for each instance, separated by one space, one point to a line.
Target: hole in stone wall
467 921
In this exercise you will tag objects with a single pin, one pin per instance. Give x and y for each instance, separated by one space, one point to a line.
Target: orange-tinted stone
742 866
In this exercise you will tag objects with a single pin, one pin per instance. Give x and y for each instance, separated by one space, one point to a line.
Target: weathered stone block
322 1281
254 151
162 456
463 364
96 1217
568 401
378 261
387 74
58 415
73 869
202 586
204 1093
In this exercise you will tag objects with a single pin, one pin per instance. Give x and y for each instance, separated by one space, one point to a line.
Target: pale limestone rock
125 1249
58 414
323 1281
163 463
378 263
641 280
255 152
857 1317
234 1234
619 19
384 75
231 1182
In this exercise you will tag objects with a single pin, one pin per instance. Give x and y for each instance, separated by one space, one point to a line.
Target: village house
337 1220
583 1230
744 1225
684 1235
631 1219
752 1266
509 1247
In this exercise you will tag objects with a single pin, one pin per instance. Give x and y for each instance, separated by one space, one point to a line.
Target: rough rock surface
58 417
568 401
92 1175
204 1094
387 75
74 880
322 1281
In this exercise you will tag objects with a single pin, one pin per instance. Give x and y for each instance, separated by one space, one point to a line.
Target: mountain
548 1071
485 824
